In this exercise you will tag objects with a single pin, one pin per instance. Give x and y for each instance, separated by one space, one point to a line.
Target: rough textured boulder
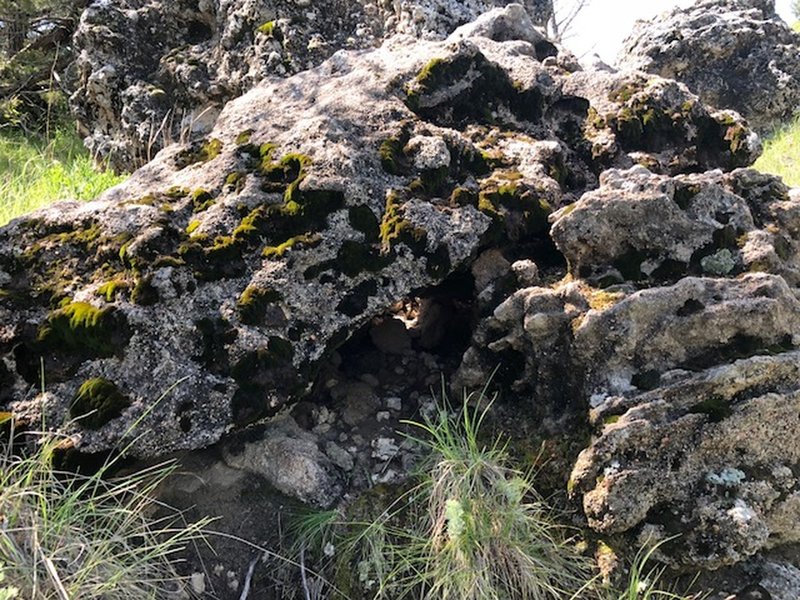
709 456
735 54
152 72
232 266
677 329
591 232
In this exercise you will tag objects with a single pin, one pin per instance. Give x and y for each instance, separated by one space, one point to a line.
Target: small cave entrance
413 344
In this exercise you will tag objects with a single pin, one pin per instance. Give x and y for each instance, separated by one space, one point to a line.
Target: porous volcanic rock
212 288
676 328
228 268
709 456
152 72
735 54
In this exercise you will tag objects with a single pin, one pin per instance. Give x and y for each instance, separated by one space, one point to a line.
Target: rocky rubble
149 73
735 54
291 283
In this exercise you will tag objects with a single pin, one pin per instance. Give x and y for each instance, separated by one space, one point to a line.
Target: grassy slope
34 173
782 154
782 151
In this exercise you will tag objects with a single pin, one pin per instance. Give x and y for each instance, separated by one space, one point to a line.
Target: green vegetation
35 172
79 325
468 525
97 402
84 537
782 154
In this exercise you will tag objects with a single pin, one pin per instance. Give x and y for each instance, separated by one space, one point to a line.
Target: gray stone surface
640 226
704 453
152 72
203 293
735 54
290 459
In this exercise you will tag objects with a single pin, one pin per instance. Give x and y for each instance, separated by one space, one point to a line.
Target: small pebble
394 403
197 581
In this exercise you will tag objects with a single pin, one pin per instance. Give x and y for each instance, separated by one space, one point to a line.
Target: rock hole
184 416
198 31
544 49
646 380
690 307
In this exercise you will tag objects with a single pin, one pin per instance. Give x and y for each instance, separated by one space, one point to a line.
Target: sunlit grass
782 154
36 172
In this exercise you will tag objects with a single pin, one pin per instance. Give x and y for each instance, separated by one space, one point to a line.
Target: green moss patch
81 326
110 289
199 152
307 240
143 292
97 402
236 181
515 206
393 155
489 90
201 200
396 228
271 30
252 304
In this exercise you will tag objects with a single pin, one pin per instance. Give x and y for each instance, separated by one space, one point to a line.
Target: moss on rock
199 152
80 326
97 402
252 304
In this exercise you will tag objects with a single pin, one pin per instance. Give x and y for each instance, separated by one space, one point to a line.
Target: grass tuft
468 526
68 536
35 173
491 536
782 154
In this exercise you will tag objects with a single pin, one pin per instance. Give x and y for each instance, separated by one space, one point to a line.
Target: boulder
150 73
204 292
676 329
638 226
597 234
706 456
735 54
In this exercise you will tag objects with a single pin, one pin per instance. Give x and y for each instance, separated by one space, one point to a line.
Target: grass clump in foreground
467 527
71 537
35 172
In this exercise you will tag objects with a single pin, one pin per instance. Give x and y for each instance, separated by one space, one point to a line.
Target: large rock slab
735 54
709 456
152 72
228 268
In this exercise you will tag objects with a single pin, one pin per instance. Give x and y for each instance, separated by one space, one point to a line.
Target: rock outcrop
150 73
617 259
677 327
233 265
735 54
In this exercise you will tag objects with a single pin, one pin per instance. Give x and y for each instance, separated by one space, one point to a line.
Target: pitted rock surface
735 54
152 72
704 452
216 286
229 267
639 226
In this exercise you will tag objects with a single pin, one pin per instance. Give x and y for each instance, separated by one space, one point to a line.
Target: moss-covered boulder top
230 267
737 54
